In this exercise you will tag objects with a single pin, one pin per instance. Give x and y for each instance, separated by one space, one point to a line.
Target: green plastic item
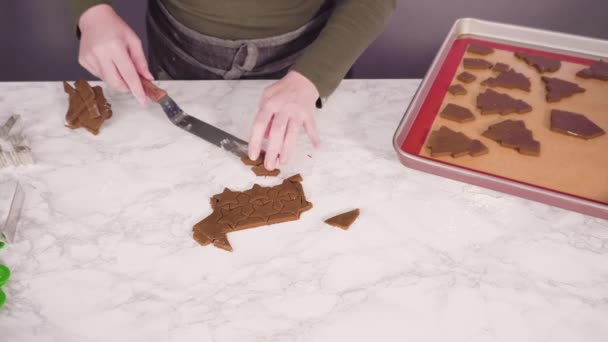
1 244
2 298
5 274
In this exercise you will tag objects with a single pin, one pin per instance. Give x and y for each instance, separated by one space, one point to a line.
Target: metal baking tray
551 42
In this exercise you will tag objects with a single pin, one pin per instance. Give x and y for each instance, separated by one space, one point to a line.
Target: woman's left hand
285 107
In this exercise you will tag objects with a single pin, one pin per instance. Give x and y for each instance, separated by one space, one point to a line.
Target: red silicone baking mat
567 165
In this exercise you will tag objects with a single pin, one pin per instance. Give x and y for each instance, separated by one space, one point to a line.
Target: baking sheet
567 164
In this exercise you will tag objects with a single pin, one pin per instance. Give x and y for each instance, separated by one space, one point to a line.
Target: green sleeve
352 27
77 7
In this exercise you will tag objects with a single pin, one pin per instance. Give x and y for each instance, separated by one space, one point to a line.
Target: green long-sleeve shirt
354 24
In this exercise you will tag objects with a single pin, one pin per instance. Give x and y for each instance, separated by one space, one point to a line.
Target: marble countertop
105 252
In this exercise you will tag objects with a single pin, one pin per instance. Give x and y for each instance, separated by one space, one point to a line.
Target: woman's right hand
110 50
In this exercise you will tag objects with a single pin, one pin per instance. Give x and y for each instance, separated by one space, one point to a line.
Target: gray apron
178 52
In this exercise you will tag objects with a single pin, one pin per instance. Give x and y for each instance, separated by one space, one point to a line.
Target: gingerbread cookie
466 77
493 102
598 71
574 124
558 89
501 67
445 142
457 113
480 49
514 134
258 206
457 89
476 64
540 63
343 221
509 80
88 107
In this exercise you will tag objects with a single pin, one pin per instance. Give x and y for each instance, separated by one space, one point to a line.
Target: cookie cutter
5 274
14 147
8 230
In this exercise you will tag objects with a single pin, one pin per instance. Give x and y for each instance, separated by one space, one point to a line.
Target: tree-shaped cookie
514 134
493 102
558 89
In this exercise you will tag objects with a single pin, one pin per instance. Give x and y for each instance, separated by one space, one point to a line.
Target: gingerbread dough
540 63
493 102
476 64
258 166
88 107
558 89
466 77
457 89
258 206
514 134
345 220
457 113
509 80
598 71
574 124
445 142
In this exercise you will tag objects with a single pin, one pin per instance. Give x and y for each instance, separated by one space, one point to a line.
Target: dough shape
345 220
540 63
88 107
258 206
509 80
445 142
493 102
514 134
558 89
574 124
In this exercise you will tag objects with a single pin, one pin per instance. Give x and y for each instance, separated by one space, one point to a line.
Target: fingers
258 130
129 74
109 74
275 140
310 125
136 51
293 127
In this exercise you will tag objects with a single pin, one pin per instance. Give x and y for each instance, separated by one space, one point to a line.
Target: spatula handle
152 91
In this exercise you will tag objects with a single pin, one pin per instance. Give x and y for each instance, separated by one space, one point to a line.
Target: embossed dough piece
493 102
345 220
558 89
480 49
598 71
574 124
258 206
514 134
457 89
258 166
509 80
476 64
540 63
445 142
88 107
456 113
466 77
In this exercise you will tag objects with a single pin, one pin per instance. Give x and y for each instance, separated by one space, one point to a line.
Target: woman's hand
110 50
285 107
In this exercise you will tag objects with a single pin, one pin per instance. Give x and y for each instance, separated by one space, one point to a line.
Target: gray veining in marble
105 253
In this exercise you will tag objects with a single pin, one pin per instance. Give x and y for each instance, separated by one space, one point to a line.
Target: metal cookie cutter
8 230
14 148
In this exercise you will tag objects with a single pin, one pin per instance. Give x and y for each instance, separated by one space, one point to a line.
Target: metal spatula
193 125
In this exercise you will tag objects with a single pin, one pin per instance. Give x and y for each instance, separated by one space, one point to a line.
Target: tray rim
496 31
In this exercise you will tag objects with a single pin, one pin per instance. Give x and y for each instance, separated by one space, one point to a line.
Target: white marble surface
105 253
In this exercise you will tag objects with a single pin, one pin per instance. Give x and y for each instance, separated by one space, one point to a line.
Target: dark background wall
37 39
